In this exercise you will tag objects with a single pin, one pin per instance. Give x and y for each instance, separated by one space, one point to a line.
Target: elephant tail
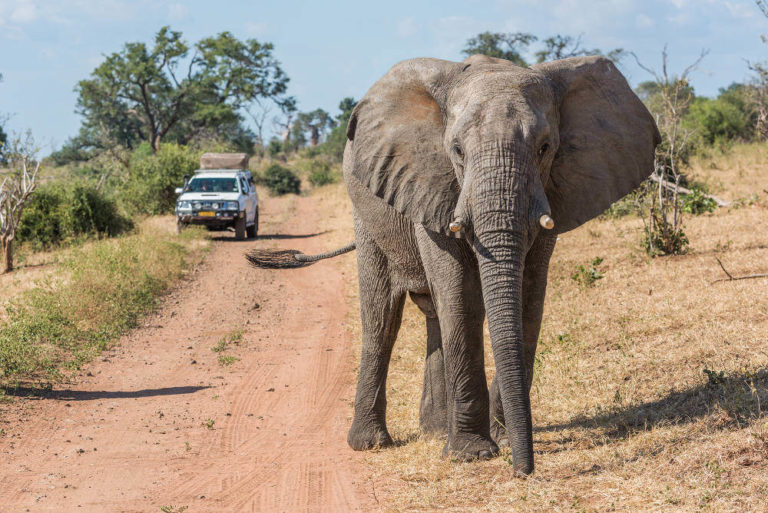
290 258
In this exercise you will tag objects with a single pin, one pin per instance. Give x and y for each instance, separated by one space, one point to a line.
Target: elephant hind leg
381 311
433 410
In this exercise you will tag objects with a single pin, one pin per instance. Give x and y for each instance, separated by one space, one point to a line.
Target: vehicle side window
243 186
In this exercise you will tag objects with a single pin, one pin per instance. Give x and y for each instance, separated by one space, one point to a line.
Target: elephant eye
457 150
543 149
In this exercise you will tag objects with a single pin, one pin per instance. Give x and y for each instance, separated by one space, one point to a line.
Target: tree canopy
156 93
508 46
512 46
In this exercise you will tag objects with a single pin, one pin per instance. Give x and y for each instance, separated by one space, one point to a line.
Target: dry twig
734 278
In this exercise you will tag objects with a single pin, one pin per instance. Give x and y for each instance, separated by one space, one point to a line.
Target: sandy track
130 433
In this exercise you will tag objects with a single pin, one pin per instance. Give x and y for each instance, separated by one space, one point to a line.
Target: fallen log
671 187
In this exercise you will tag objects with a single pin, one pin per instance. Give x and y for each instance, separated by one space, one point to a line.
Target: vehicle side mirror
178 190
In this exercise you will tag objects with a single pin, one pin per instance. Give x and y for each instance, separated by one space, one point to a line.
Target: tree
759 90
512 46
317 123
664 230
561 47
3 135
758 96
284 122
508 46
150 94
337 138
15 191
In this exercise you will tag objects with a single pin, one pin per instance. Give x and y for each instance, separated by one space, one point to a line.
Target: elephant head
496 152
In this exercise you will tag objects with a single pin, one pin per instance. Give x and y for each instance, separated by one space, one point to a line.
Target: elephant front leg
455 289
433 410
534 292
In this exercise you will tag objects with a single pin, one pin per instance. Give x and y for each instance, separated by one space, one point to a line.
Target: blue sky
339 48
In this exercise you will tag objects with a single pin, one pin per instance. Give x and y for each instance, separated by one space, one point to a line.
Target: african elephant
461 176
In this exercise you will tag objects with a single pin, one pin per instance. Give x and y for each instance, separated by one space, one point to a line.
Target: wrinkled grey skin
497 146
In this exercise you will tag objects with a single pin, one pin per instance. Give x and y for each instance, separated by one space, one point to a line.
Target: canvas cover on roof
224 161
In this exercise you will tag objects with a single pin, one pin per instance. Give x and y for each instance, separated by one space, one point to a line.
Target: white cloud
177 11
256 28
742 10
24 11
407 27
643 21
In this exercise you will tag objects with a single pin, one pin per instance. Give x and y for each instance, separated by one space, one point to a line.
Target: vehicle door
250 206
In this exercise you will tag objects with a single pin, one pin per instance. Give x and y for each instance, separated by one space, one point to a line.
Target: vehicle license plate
207 214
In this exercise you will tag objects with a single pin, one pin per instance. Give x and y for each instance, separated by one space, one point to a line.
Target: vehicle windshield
212 185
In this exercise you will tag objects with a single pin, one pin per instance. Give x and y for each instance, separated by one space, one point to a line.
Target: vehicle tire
179 226
253 230
240 228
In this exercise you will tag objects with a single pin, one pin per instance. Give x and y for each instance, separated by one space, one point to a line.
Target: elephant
462 175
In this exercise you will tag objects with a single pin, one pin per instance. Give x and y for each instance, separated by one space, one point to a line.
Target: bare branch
735 278
763 5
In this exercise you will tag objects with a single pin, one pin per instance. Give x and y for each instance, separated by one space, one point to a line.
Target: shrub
698 203
320 173
666 240
57 213
630 204
586 276
153 178
717 121
280 180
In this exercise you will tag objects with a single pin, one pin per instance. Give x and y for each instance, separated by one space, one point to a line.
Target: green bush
587 275
280 180
58 212
630 204
153 178
717 121
697 202
320 173
666 240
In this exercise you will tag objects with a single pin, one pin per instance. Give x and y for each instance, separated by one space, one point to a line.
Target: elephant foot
467 447
369 436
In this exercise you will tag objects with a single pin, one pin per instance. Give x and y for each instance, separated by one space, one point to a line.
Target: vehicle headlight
184 205
233 205
215 205
196 205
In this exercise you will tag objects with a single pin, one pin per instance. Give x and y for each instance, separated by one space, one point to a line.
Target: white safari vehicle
220 195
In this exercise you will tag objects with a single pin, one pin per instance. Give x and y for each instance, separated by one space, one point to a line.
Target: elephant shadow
735 398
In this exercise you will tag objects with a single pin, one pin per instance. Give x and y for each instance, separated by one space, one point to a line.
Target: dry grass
625 416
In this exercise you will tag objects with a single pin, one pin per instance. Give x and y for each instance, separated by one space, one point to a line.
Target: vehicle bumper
219 218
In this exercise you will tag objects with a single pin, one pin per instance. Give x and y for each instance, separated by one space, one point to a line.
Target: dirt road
161 422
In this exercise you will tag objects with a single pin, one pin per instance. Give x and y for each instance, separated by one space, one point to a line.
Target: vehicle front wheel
240 228
253 230
179 226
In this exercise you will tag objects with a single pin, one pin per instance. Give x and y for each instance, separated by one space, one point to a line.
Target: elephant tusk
457 225
545 221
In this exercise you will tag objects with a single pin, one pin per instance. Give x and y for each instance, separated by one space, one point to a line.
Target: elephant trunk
501 215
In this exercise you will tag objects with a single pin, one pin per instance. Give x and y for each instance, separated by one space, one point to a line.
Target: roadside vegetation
87 297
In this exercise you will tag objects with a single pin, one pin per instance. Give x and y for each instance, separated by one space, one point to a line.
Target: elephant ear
607 139
397 143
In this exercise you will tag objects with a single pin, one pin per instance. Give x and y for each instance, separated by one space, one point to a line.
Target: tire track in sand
133 436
